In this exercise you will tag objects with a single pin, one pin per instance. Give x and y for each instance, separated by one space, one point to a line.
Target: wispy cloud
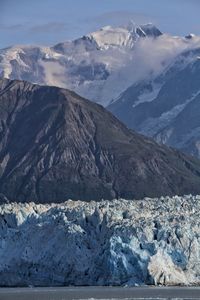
14 27
50 27
120 18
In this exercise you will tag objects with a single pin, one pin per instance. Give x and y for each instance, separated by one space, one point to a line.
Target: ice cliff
119 242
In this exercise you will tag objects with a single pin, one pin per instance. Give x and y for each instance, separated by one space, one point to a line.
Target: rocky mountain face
167 107
119 242
55 145
100 65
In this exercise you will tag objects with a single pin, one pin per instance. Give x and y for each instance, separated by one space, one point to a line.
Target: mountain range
147 78
55 145
90 65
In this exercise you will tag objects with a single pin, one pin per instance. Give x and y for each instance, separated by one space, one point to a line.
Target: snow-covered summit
100 65
150 30
109 36
145 30
190 36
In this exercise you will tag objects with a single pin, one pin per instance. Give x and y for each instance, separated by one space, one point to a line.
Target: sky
47 22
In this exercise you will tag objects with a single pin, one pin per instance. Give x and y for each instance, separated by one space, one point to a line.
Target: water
100 293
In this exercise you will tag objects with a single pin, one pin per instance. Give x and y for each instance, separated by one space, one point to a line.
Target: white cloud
151 56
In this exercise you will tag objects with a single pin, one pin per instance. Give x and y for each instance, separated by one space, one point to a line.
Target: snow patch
111 37
152 125
148 96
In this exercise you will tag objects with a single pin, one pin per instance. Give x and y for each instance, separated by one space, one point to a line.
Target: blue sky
48 22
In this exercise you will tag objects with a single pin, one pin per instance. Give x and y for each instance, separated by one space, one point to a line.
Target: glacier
118 242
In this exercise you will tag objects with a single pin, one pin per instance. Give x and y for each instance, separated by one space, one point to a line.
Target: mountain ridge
167 107
56 145
98 72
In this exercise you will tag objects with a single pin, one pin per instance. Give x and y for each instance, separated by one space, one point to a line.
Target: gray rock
55 145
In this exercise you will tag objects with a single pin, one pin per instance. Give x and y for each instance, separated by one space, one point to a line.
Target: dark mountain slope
55 145
166 108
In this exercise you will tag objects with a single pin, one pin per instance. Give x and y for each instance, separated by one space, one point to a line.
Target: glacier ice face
119 242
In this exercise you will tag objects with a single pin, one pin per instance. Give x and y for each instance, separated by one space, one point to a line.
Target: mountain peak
58 145
151 30
143 30
109 36
190 36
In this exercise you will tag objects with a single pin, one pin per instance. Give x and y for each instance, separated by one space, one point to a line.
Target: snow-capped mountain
168 106
149 78
109 37
98 66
